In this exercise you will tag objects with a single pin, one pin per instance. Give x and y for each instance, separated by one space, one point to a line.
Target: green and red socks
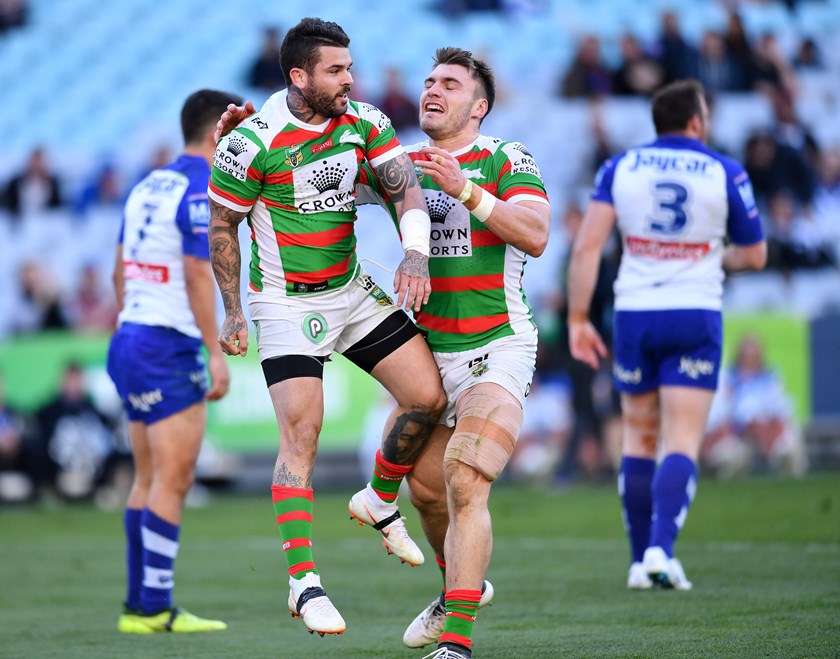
461 607
387 478
293 511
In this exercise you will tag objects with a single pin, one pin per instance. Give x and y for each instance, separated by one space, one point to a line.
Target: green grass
764 557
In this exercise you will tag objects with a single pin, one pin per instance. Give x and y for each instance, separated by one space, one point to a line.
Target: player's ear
480 108
299 78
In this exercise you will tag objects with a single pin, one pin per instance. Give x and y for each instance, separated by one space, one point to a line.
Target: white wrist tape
466 191
485 206
415 227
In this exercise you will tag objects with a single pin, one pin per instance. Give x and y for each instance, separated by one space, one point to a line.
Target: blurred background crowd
97 90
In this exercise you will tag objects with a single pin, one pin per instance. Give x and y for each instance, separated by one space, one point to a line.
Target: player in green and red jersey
488 209
292 169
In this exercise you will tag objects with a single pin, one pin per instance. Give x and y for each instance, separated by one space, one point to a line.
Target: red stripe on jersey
231 197
316 238
319 275
276 204
377 151
294 543
505 168
461 325
255 174
294 516
282 178
471 283
523 189
253 288
485 238
294 137
472 156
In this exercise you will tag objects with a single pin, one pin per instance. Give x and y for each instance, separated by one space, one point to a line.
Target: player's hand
444 170
585 343
233 337
232 117
219 376
411 283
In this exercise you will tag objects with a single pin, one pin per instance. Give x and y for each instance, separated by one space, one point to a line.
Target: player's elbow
538 245
757 256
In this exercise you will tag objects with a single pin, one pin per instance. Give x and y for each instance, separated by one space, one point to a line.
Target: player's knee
464 486
430 404
424 497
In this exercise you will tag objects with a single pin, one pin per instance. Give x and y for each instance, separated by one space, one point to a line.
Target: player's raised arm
232 117
226 258
399 181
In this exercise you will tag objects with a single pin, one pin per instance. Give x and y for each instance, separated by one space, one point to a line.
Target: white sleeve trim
227 203
515 199
388 155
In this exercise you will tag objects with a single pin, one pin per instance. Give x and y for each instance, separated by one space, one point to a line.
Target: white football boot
664 571
367 508
638 578
309 601
428 626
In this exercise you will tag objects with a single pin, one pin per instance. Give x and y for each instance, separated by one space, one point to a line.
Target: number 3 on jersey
669 215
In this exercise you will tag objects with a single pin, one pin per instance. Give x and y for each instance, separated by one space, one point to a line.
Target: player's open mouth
434 107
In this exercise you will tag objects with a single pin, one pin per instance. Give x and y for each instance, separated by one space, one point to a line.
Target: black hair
300 47
675 104
202 110
479 70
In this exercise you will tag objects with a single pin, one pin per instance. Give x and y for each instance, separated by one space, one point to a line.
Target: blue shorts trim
158 371
676 347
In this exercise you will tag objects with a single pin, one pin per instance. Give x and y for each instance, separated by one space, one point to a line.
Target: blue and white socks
635 484
673 491
160 547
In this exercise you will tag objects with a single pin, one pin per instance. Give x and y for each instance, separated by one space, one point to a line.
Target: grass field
764 557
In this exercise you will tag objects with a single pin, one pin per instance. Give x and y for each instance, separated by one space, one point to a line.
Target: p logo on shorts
315 327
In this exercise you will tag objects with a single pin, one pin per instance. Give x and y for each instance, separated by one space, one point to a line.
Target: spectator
76 445
638 75
738 49
716 68
772 73
92 307
790 131
14 485
827 197
797 241
265 73
808 56
396 105
753 417
34 190
102 191
775 167
39 306
587 77
13 14
678 59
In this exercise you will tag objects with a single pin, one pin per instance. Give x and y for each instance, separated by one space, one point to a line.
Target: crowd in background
796 181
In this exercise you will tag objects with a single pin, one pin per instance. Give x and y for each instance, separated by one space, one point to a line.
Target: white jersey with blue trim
166 216
676 201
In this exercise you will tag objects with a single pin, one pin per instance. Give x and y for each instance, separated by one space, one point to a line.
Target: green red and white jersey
476 277
297 183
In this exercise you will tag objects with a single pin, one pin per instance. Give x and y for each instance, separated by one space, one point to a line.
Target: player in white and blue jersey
166 291
685 214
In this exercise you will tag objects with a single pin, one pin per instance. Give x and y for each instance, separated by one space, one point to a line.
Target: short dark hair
479 70
299 49
675 104
202 110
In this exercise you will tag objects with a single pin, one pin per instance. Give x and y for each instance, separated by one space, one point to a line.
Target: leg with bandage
488 422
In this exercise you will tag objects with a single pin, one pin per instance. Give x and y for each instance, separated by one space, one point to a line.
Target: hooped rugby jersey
476 277
297 183
676 201
165 217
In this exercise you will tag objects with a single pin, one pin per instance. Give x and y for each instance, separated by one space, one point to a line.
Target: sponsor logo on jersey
315 327
199 211
480 365
234 155
144 401
453 239
154 274
327 185
694 368
473 173
745 190
626 375
317 148
525 165
259 123
668 162
439 207
293 156
666 251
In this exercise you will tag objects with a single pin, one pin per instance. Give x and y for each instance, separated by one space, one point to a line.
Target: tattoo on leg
408 436
285 478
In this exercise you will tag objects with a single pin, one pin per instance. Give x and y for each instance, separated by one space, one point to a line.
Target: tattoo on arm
225 254
284 477
408 436
397 177
415 264
300 109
